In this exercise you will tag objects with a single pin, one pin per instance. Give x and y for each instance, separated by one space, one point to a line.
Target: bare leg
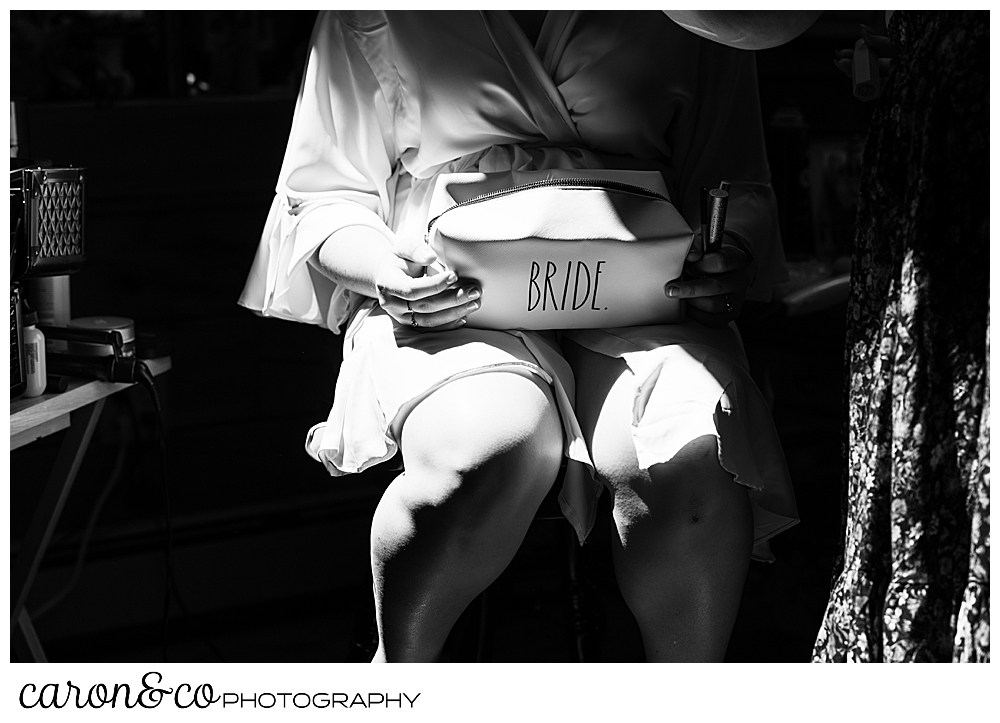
685 528
480 454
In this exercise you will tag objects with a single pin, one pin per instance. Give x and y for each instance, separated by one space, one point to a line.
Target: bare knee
687 495
484 445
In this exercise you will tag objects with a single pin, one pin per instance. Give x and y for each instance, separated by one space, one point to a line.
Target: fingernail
452 278
472 305
473 293
461 322
673 291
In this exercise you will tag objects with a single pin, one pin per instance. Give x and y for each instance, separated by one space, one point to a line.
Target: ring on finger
413 315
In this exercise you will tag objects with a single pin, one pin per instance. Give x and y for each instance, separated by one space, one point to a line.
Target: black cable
132 370
186 612
88 531
145 378
173 586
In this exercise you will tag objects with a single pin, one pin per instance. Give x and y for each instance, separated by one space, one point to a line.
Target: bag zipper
567 182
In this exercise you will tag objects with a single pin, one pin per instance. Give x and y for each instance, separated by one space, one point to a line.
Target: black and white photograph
464 336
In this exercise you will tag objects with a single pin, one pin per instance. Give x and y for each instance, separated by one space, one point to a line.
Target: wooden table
76 410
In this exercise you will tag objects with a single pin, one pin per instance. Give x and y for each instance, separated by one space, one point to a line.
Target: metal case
47 221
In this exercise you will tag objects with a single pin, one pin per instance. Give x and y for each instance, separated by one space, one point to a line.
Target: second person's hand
716 286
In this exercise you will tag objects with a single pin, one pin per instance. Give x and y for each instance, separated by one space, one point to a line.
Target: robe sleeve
724 140
337 172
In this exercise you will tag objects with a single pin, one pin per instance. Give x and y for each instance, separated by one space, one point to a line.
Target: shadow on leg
684 528
685 532
480 454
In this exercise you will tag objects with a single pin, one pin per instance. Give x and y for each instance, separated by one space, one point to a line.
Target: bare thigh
480 453
604 398
478 437
684 526
605 401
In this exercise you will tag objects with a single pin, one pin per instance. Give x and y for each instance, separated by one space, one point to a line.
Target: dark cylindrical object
717 201
864 70
107 369
56 384
99 324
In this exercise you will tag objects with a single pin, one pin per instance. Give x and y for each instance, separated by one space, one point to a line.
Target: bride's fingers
450 318
402 309
399 284
446 299
413 248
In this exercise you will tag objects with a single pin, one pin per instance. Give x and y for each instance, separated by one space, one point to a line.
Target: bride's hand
716 285
437 301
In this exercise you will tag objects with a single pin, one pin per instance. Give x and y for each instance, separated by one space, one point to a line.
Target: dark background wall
181 120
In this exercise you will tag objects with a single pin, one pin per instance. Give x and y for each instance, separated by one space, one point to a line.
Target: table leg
25 641
50 506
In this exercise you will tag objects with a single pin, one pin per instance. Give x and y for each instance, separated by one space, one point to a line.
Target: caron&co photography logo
152 692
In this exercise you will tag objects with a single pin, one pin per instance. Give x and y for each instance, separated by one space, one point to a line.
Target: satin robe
392 99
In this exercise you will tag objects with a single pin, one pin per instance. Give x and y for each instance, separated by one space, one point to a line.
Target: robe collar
531 68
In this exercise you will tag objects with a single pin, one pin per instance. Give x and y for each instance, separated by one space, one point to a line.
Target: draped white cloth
392 99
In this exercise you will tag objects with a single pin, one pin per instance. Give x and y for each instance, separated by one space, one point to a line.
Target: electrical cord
88 531
144 378
132 370
128 370
171 589
186 612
